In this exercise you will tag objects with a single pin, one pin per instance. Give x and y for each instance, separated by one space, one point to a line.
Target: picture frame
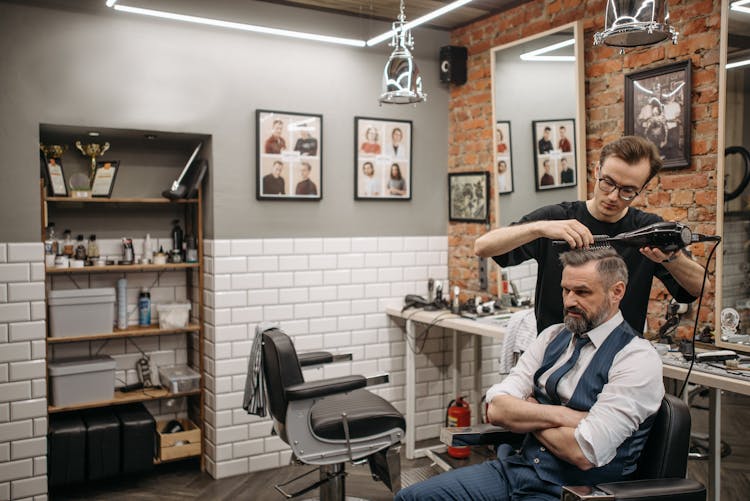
468 196
503 158
657 107
55 175
554 153
382 159
283 171
104 178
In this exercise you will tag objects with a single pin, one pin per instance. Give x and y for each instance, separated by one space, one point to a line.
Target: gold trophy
92 150
53 150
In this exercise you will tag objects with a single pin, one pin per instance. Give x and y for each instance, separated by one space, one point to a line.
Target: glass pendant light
402 83
631 23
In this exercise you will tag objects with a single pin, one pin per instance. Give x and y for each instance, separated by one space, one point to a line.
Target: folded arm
562 443
523 416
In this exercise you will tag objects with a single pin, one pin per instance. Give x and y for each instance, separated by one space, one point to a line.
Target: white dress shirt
633 393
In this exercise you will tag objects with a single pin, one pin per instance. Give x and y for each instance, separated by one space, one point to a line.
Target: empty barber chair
661 466
332 421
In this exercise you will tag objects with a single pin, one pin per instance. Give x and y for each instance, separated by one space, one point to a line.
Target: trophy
92 150
53 150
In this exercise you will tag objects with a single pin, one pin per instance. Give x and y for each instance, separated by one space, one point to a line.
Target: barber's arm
503 240
685 271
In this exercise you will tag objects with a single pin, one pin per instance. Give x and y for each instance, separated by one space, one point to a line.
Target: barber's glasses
626 193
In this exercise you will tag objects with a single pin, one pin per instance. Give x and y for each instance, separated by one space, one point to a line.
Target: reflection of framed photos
657 107
104 178
554 153
56 177
468 193
289 164
382 159
503 158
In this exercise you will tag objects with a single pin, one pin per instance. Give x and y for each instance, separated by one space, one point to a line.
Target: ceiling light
740 6
420 20
110 3
737 64
239 26
402 83
633 24
536 55
93 133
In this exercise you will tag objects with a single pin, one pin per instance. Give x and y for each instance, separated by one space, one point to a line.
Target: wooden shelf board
134 331
120 200
122 268
162 461
123 398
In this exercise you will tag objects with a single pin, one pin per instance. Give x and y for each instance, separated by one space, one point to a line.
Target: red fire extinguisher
458 415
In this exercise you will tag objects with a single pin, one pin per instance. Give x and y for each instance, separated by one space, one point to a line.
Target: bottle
68 247
191 254
148 250
177 236
50 246
93 248
144 307
80 253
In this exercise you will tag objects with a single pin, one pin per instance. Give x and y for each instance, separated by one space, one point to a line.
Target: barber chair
661 466
332 421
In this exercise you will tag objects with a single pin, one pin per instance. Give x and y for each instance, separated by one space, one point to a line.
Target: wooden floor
183 481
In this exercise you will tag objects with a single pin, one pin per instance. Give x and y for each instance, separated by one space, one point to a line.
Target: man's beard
584 323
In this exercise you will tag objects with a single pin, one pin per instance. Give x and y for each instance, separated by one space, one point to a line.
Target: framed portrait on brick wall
657 107
382 159
468 196
503 157
554 153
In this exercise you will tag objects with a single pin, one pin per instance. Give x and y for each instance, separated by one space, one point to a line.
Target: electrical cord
422 337
697 316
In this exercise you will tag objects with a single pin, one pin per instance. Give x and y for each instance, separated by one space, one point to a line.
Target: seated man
585 392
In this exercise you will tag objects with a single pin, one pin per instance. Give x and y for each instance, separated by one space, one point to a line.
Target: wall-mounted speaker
453 64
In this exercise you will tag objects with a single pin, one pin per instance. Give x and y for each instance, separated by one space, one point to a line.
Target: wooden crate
182 444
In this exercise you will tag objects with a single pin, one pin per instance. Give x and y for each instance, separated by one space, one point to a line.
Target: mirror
539 146
734 129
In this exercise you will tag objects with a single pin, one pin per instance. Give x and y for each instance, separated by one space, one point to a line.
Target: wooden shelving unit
120 200
121 398
133 331
122 268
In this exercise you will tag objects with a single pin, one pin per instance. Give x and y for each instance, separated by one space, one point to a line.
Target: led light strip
737 64
536 55
739 6
420 20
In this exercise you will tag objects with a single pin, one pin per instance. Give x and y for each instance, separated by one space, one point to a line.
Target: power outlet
482 274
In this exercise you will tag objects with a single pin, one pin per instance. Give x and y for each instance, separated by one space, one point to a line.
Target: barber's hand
657 255
572 231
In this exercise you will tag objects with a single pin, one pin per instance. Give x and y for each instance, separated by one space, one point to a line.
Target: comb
600 241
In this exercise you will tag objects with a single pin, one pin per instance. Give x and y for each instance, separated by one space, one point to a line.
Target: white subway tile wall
23 402
327 294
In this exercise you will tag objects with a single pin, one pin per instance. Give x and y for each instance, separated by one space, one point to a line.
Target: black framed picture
468 195
554 153
503 157
55 177
657 107
104 178
289 163
382 159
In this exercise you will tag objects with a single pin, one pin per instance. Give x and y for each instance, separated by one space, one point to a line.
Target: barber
625 168
584 393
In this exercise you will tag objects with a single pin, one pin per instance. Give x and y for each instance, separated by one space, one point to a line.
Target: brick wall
687 195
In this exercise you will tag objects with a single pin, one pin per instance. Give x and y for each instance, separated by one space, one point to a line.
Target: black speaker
453 64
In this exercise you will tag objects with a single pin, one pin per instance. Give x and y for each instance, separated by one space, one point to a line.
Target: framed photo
104 178
56 177
554 153
468 194
289 163
503 158
382 159
657 107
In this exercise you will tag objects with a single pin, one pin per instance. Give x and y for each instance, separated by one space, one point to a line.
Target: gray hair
609 263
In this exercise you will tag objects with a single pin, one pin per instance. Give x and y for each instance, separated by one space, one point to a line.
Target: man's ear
617 291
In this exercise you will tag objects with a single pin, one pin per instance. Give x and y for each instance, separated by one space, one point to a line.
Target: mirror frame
580 116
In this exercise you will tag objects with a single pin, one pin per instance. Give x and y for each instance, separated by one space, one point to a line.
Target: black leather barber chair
661 467
332 421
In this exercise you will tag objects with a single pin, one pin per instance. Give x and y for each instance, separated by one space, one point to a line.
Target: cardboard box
182 444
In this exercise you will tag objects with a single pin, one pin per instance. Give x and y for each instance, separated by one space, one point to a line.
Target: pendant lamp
402 83
633 23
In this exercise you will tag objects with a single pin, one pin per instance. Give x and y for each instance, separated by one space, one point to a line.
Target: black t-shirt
641 270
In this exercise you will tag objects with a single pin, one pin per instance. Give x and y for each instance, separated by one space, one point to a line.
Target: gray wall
526 91
84 65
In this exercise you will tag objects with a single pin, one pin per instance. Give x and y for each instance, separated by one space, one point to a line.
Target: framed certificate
56 178
104 178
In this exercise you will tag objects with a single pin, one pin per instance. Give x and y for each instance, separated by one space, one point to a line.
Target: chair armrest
480 434
684 489
320 358
324 387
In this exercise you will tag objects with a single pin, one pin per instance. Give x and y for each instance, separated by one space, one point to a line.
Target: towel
521 331
254 399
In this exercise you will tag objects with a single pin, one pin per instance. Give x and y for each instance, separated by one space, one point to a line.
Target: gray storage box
82 379
78 312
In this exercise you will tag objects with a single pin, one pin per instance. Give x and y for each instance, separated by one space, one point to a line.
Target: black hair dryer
668 236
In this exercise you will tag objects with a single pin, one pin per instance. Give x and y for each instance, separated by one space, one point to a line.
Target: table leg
456 370
411 401
476 394
714 444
